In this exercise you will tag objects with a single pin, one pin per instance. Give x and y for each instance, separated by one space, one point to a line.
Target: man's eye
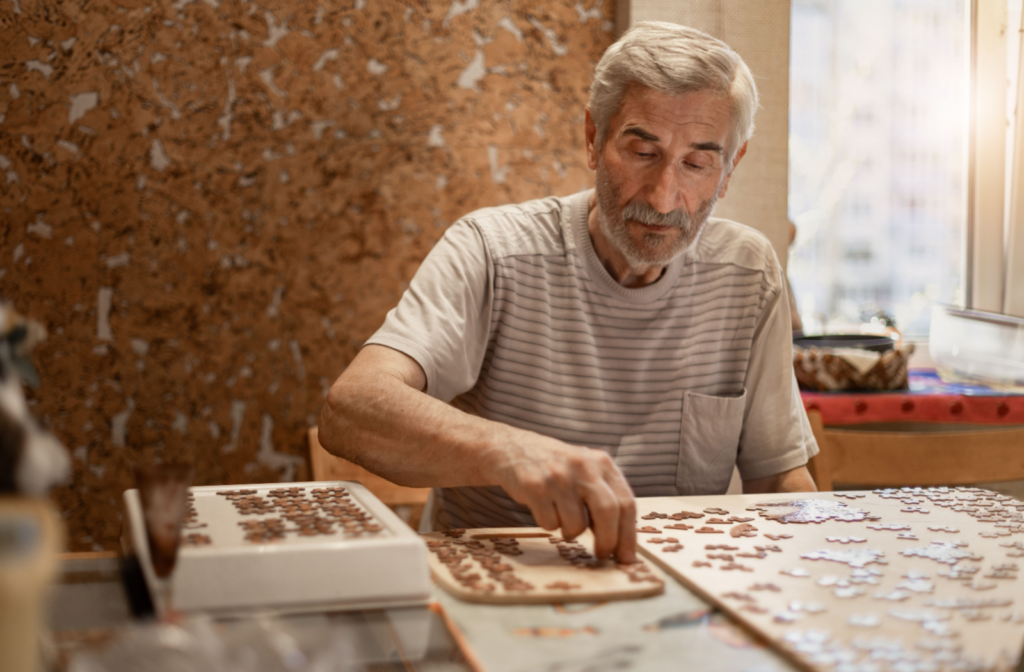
644 155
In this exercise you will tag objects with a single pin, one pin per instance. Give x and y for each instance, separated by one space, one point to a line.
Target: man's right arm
377 415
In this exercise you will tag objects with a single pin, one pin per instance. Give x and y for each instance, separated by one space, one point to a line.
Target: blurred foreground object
31 462
31 459
198 644
975 346
30 538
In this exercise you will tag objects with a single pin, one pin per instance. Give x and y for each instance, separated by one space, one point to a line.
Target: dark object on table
872 342
139 601
163 490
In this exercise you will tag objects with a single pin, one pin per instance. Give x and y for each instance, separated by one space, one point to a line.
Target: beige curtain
759 31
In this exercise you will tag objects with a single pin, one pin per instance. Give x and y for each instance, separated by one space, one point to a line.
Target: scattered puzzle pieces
730 566
946 552
798 573
863 621
787 611
684 515
858 557
743 530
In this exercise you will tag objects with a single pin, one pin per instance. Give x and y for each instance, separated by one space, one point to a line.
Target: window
878 133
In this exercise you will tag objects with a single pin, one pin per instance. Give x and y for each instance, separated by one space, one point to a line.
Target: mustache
643 212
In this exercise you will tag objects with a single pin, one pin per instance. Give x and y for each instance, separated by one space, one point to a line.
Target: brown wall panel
211 204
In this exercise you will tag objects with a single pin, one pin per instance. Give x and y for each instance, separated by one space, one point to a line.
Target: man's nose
664 192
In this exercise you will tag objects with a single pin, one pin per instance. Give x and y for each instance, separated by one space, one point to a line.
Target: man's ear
591 131
735 162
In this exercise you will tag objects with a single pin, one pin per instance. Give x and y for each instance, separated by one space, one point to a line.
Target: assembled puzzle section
296 547
517 565
907 580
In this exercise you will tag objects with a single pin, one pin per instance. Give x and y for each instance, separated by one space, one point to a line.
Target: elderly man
551 359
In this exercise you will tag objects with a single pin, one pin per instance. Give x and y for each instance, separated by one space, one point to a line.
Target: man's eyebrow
651 137
708 147
641 133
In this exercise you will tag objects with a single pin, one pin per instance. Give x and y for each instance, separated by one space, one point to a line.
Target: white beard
612 224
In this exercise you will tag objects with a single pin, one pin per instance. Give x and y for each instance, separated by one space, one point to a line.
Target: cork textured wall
210 204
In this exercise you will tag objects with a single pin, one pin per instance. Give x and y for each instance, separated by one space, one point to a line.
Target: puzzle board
528 565
291 547
906 580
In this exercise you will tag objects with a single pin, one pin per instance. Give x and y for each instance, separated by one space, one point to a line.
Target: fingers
544 513
614 521
625 552
604 520
571 514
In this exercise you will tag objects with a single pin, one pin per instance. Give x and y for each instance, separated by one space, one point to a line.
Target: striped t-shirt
513 318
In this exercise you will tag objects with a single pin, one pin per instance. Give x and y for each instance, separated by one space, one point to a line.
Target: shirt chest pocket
708 442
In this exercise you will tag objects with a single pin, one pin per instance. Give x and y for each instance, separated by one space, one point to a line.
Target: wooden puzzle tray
907 580
528 565
289 547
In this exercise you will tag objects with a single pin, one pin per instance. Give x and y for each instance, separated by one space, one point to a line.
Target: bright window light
877 160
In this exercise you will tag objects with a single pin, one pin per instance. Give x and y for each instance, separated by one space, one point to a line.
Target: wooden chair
408 503
961 456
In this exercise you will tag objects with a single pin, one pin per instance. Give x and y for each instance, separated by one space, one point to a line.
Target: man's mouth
656 228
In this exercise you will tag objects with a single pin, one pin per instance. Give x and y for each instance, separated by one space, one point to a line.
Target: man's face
660 172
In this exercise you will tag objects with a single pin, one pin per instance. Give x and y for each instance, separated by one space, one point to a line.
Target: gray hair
673 59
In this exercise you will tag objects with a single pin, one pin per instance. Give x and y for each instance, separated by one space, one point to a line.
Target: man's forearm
376 416
794 480
381 423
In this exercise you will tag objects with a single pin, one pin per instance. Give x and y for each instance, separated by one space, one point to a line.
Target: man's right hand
571 487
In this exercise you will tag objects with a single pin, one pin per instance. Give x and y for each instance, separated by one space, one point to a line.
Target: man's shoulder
531 227
724 241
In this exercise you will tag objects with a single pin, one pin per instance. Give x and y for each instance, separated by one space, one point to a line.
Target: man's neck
613 261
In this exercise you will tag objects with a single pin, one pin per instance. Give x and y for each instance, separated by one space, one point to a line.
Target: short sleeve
776 434
443 318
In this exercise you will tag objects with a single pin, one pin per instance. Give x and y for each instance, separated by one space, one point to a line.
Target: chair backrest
974 454
328 467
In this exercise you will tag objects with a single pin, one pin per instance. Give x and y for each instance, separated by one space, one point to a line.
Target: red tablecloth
929 399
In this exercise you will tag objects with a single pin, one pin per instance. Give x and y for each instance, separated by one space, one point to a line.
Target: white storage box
985 347
288 547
